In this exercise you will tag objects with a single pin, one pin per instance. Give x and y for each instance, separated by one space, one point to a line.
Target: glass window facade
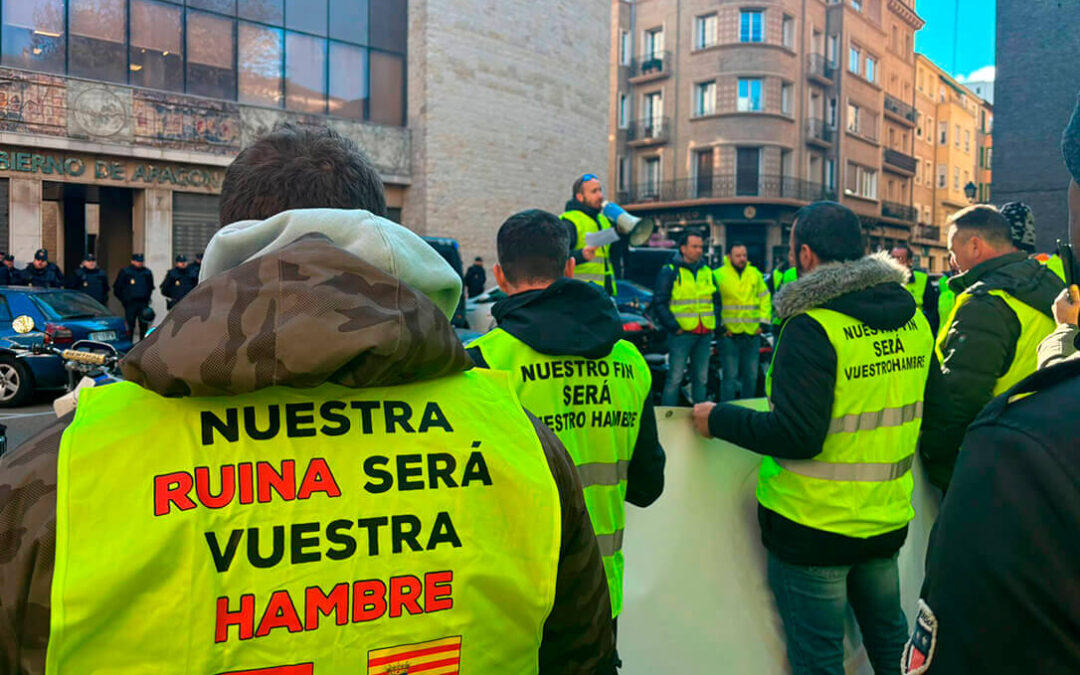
344 58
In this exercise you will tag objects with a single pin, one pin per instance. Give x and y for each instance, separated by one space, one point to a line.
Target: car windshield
69 305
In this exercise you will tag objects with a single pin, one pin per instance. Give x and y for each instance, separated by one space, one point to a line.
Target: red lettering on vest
172 488
437 591
404 594
318 478
224 495
247 482
244 618
316 603
284 483
369 600
279 613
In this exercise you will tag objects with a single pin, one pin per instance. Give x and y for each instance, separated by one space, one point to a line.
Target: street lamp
969 191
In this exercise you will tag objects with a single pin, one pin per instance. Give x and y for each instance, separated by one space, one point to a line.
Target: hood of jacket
568 318
575 205
869 289
1019 275
307 313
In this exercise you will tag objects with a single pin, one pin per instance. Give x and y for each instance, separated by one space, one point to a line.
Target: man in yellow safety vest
834 491
924 292
746 307
583 217
302 474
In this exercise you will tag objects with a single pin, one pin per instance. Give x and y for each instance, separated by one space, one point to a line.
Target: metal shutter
195 220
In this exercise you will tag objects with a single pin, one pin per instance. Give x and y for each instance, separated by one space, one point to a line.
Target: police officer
581 218
91 280
9 276
834 491
178 282
133 287
588 385
41 273
195 267
924 292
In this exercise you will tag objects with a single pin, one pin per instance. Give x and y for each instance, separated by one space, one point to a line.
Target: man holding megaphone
588 219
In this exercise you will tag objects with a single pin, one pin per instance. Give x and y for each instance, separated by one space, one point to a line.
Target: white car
478 309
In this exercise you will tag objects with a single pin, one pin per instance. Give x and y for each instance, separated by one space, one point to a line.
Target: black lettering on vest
335 535
433 417
441 465
476 468
229 429
273 423
409 466
299 542
222 561
403 531
443 532
397 414
373 525
275 554
365 408
385 478
297 414
331 412
528 373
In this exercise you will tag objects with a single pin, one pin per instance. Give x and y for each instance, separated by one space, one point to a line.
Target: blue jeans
813 602
741 359
697 348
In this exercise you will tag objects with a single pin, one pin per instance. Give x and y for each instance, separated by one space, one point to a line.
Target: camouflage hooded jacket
253 327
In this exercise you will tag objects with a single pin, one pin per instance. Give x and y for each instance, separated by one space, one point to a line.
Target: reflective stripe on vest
692 298
372 530
1034 327
746 302
594 407
917 287
860 484
597 271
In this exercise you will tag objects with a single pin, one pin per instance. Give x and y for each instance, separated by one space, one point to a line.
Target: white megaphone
638 230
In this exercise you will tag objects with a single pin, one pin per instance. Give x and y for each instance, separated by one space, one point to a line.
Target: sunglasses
588 177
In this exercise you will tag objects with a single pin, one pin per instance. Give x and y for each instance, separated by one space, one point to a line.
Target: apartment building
732 116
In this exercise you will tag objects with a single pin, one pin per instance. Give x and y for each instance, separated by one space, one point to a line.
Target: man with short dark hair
990 340
178 282
41 273
9 275
687 305
583 217
475 277
313 376
924 292
746 308
91 280
133 287
559 339
195 267
834 491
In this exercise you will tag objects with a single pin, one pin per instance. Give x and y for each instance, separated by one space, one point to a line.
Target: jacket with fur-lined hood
804 381
296 313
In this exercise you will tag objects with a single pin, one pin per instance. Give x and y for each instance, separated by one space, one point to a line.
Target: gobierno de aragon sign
93 170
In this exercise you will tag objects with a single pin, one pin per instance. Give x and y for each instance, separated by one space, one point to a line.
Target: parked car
60 317
631 296
478 310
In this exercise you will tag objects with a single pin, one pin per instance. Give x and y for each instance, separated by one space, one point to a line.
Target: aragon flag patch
919 652
435 657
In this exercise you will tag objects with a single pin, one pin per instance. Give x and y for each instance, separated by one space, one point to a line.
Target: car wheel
16 383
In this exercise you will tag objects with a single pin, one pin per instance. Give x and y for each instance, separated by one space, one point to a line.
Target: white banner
696 597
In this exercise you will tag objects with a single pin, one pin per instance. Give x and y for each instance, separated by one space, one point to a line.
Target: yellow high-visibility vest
917 287
692 298
745 300
597 271
321 531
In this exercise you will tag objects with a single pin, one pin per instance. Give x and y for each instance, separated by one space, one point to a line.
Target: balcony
737 186
899 111
930 233
820 69
820 133
650 67
899 212
899 162
649 131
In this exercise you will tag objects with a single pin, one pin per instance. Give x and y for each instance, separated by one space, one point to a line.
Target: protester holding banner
835 486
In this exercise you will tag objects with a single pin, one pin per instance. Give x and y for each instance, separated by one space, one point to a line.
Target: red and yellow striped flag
435 657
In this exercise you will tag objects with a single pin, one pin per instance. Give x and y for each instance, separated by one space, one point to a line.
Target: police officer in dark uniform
9 276
196 266
91 280
41 273
133 287
178 282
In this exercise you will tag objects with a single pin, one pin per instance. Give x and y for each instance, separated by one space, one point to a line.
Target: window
927 217
854 56
967 140
989 158
830 175
750 26
221 6
871 68
787 31
349 22
624 111
654 109
348 81
919 124
943 133
929 129
389 27
928 173
853 121
33 35
861 181
704 99
749 95
259 60
918 178
956 178
785 98
832 113
703 172
624 48
894 43
305 62
654 43
156 58
97 39
956 136
210 54
620 174
832 49
942 176
264 11
651 183
306 16
705 31
387 89
856 5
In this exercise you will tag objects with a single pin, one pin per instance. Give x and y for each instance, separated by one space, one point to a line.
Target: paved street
24 422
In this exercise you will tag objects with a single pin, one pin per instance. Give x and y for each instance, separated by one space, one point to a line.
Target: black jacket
930 305
803 386
46 277
178 283
979 348
575 318
665 283
1004 560
92 282
10 276
134 285
475 278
